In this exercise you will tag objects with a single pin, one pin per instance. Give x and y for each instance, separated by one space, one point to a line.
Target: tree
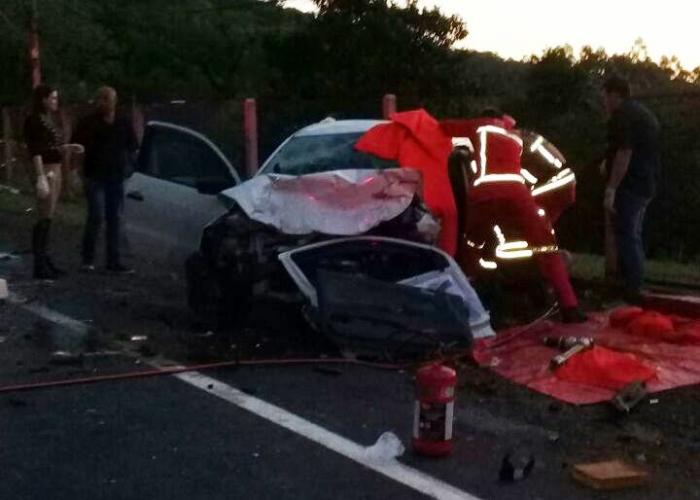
556 85
366 47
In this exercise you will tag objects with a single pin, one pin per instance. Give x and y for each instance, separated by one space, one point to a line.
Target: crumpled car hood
340 202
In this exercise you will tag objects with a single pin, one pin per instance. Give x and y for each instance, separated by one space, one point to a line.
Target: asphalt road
163 438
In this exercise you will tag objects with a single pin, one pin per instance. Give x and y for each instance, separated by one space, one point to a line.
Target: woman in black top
46 147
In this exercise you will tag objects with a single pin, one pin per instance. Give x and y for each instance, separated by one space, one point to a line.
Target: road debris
65 358
641 434
4 292
630 396
553 437
516 467
327 371
388 447
609 475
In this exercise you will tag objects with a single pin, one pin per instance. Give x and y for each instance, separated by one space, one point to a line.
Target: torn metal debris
383 293
630 396
516 467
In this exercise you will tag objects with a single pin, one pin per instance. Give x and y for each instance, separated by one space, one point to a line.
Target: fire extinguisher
434 410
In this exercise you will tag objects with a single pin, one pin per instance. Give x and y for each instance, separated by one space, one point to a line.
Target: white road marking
393 469
73 326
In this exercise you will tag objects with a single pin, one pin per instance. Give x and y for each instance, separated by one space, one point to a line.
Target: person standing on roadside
47 150
633 164
110 144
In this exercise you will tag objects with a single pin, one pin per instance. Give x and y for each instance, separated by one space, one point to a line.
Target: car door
389 260
174 192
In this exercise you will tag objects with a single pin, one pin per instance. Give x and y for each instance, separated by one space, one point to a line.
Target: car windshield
321 153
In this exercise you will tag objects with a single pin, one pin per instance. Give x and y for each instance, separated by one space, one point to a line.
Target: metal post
6 147
250 128
388 106
137 119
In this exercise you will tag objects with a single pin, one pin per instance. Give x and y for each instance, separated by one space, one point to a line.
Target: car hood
340 202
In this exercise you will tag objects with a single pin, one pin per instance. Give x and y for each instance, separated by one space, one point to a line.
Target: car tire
217 297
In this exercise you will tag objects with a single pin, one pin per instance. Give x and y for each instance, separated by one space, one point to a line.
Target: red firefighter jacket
497 149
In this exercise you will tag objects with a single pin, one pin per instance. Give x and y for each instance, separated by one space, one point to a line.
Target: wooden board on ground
609 475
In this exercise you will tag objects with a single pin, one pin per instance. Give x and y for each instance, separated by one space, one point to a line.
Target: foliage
364 47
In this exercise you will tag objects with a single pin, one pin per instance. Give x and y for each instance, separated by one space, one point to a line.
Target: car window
182 158
321 153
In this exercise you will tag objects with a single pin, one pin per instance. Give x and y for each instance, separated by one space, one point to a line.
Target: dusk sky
516 29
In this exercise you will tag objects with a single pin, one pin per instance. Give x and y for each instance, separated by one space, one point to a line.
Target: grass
591 267
70 212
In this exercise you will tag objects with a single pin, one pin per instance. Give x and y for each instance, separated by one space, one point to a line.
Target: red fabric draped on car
415 140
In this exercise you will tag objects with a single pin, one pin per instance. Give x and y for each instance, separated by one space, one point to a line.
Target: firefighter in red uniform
501 201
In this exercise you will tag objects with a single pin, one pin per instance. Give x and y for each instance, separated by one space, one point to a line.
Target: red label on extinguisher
433 421
431 392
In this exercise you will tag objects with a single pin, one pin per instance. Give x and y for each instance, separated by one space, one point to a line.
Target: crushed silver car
186 202
238 255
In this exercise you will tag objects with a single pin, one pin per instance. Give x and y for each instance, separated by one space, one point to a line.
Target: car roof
330 127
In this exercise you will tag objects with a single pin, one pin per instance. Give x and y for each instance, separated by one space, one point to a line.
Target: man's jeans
105 200
629 220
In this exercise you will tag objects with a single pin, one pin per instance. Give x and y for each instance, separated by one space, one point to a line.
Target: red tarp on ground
605 368
524 359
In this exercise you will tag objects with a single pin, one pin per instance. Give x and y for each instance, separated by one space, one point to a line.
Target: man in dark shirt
110 144
633 163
